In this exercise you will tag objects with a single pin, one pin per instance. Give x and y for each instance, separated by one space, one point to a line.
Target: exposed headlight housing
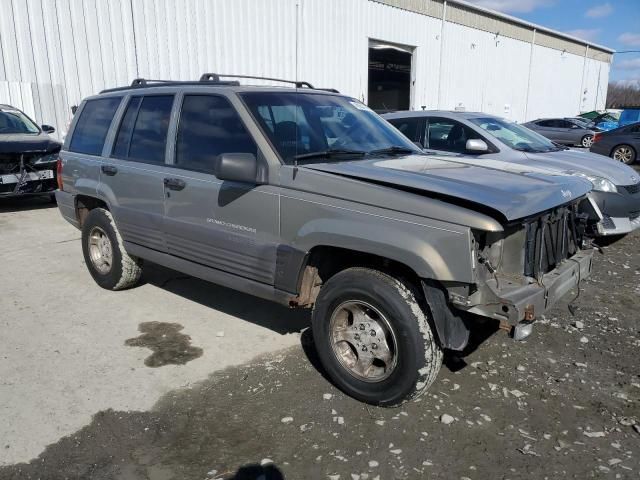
49 158
599 184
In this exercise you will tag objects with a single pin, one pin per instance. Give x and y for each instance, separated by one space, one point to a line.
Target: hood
586 162
28 143
513 195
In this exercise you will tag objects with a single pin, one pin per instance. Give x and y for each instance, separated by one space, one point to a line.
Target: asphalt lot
91 387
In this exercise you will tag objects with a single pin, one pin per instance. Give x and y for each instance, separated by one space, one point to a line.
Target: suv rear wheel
108 262
373 338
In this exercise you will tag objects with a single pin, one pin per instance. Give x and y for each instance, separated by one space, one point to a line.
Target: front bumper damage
510 302
23 174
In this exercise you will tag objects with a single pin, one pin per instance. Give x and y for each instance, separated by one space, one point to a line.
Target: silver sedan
563 130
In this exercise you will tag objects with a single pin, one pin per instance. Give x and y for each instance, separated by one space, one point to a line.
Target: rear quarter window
92 126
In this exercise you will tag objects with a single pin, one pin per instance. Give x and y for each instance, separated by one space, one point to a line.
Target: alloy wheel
100 250
363 341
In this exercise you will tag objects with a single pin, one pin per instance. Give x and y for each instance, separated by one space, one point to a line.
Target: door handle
109 170
174 183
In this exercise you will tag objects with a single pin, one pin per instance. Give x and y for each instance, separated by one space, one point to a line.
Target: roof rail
216 77
212 78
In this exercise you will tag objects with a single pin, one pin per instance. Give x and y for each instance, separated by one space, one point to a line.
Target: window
448 135
324 127
142 135
209 126
548 123
14 121
93 125
513 135
566 124
412 128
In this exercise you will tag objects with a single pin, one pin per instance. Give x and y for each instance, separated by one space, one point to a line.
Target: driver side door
225 225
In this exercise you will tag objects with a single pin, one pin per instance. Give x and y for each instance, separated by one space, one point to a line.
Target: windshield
14 121
305 126
581 122
514 135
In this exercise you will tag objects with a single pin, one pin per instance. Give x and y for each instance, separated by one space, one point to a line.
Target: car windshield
14 121
581 122
314 126
515 136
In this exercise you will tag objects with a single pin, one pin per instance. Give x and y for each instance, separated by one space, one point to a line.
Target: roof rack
211 78
216 77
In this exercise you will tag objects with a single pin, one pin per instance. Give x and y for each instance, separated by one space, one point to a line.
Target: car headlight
599 184
49 158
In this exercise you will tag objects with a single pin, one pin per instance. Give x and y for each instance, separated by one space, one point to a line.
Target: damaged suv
28 155
308 198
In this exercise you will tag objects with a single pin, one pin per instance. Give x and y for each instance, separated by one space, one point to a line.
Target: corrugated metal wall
55 52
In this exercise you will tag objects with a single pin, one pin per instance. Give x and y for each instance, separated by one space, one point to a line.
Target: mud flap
453 331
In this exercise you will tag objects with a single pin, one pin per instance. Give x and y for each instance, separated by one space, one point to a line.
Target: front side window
142 135
209 126
514 135
93 125
16 122
302 126
448 135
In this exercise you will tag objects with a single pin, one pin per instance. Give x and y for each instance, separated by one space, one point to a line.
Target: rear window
93 125
142 135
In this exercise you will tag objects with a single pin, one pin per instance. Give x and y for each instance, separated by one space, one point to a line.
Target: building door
390 79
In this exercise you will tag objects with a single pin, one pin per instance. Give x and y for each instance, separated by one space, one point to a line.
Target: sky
614 24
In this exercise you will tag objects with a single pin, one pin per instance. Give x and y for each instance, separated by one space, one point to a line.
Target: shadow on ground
245 307
19 204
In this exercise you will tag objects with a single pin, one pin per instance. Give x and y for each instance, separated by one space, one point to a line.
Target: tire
100 237
391 308
624 153
587 141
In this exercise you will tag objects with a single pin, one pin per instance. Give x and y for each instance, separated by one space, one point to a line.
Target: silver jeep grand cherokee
306 197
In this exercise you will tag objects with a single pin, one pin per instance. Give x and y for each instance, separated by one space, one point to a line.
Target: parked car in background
481 139
308 198
622 144
563 130
28 155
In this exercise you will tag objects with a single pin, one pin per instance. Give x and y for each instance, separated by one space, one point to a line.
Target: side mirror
237 167
48 129
476 145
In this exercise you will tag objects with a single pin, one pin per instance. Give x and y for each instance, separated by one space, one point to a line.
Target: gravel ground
563 404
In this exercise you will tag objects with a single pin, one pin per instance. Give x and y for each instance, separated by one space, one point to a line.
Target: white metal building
389 53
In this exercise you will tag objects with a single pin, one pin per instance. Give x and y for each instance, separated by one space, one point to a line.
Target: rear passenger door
132 175
229 226
552 130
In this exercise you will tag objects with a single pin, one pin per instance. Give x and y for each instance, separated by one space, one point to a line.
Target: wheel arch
84 204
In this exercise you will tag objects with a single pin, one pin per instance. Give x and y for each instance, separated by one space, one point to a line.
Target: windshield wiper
392 150
332 152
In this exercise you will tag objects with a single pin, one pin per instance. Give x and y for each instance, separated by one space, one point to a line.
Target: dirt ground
563 404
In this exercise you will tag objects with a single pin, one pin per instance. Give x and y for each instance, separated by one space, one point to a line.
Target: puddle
170 347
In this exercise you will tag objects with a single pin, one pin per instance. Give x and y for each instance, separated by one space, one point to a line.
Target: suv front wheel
108 262
373 338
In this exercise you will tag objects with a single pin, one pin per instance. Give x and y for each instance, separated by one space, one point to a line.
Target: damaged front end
521 272
28 173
